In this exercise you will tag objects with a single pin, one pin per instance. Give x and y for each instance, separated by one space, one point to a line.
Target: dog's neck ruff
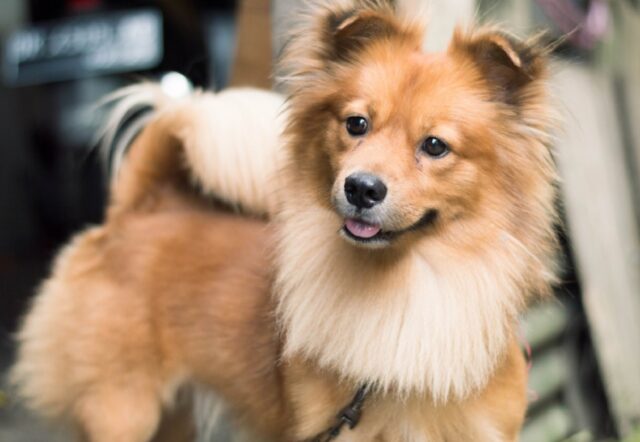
432 322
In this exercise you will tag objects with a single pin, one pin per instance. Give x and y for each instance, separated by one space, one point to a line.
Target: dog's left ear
507 64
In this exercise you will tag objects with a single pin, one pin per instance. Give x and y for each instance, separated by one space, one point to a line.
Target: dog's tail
225 144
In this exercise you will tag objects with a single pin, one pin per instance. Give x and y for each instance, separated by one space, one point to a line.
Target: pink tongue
361 229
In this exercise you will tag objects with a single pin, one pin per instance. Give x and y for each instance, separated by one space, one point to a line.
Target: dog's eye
435 147
357 126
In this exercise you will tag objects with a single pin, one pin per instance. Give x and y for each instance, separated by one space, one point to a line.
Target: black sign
84 46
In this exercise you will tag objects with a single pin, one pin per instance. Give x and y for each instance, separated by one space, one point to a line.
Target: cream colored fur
233 146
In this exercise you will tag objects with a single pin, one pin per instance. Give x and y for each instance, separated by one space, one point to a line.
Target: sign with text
79 47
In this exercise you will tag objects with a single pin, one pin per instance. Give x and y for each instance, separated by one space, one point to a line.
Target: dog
348 264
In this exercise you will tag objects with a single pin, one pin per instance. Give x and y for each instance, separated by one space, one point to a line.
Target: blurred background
58 58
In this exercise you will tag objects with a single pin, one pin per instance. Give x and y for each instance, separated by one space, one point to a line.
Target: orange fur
285 318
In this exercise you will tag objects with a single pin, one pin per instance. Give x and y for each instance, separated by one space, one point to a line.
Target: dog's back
104 342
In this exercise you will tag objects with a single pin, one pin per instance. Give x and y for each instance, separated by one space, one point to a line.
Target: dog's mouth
368 233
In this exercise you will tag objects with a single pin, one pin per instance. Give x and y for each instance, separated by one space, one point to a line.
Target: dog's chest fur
426 324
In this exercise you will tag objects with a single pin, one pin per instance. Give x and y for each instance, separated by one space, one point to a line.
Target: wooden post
252 66
603 229
628 75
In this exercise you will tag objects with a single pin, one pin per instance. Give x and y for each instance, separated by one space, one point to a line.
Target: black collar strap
349 415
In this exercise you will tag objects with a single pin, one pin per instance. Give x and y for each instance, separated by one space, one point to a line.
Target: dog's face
406 143
408 146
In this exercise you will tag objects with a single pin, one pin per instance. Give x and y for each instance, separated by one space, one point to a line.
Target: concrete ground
19 425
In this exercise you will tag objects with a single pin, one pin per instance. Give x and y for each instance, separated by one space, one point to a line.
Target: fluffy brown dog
413 221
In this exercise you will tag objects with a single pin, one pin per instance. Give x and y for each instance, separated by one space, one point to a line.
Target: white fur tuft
230 140
233 147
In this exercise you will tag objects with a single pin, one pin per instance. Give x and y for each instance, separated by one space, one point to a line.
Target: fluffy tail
226 145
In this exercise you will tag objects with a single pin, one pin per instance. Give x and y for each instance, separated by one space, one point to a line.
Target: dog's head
399 143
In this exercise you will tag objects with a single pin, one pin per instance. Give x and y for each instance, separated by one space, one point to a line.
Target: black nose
364 190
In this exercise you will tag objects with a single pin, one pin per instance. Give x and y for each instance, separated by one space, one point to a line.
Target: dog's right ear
349 32
328 34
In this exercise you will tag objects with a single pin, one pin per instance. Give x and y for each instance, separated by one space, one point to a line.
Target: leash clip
349 415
